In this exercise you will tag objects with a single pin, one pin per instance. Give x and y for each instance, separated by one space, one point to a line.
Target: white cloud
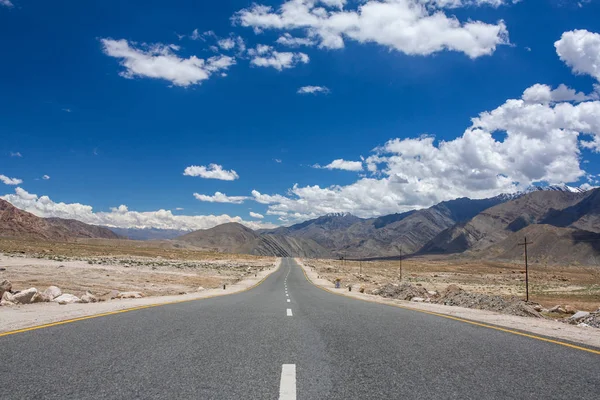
10 181
313 90
290 41
467 3
179 209
404 25
17 154
67 110
219 197
277 160
541 143
544 94
580 50
121 216
46 177
226 44
256 215
213 171
266 56
159 61
343 165
6 3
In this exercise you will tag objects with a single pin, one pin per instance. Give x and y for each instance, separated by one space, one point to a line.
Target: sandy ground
549 328
153 276
25 316
549 285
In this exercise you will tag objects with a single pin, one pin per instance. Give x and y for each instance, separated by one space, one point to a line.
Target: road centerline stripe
289 312
287 384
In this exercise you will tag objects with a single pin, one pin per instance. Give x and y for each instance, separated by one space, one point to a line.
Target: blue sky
108 99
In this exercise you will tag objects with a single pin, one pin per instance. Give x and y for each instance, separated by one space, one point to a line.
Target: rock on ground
5 286
25 296
52 292
67 299
130 295
89 298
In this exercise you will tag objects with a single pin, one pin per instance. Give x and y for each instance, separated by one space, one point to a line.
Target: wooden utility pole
400 266
525 243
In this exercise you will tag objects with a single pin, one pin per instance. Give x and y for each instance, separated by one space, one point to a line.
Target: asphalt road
234 347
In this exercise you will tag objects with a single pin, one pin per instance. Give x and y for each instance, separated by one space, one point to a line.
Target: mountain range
562 222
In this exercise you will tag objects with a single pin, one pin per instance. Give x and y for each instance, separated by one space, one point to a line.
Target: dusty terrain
549 285
101 266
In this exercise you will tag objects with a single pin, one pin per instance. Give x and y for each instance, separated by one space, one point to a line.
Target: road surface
306 344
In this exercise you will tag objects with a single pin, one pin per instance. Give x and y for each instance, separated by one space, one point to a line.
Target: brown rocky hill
236 238
18 223
549 244
352 237
492 226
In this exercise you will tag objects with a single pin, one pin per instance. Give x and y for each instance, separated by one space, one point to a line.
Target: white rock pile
10 297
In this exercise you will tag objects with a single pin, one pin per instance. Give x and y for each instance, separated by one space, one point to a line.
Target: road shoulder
33 316
536 326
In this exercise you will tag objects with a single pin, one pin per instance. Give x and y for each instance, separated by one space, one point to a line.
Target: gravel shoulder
543 327
31 315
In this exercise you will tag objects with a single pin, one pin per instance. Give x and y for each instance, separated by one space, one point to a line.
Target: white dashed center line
289 312
288 300
287 385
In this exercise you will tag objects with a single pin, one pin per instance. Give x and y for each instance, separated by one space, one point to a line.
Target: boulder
67 299
537 307
52 292
40 297
555 309
5 286
200 288
130 295
453 289
579 315
432 293
418 299
570 309
6 303
25 296
89 297
113 294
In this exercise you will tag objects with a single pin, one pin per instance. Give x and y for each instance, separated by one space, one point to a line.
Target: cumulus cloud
120 217
288 40
541 139
10 181
409 26
580 50
46 177
15 154
539 93
266 56
213 171
343 165
219 197
467 3
256 215
313 90
160 62
6 3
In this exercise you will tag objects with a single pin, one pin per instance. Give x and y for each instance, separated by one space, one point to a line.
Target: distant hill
352 237
148 233
549 244
18 223
495 224
236 238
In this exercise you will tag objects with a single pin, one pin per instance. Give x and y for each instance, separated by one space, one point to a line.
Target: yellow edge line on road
68 321
459 319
